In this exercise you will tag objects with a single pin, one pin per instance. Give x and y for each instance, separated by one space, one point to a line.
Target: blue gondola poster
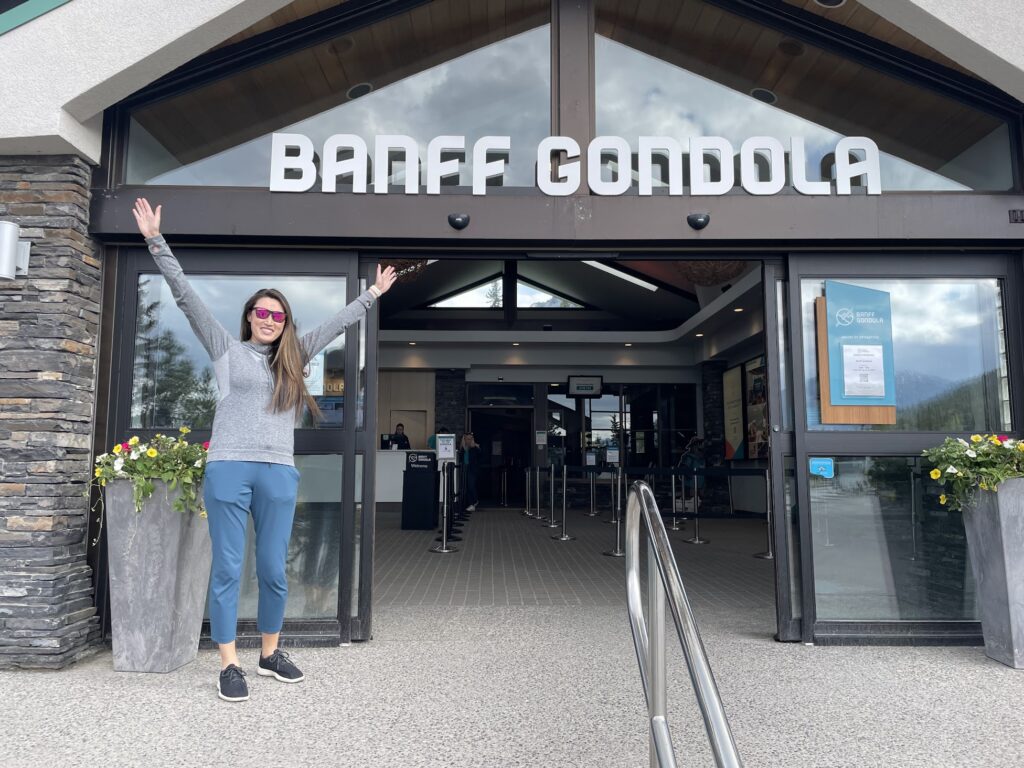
860 352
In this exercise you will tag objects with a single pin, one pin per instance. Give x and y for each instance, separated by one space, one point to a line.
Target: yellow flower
942 499
103 483
1020 446
184 430
133 441
151 453
994 440
975 438
203 513
984 486
117 448
935 474
98 472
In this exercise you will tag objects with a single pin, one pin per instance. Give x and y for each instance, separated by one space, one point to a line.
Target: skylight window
489 296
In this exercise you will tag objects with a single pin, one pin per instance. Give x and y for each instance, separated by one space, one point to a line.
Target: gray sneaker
231 684
280 667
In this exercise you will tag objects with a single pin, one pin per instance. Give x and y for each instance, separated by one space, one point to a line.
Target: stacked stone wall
49 324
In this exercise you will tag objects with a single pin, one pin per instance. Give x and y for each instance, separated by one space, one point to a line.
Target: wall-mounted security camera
13 252
698 220
458 220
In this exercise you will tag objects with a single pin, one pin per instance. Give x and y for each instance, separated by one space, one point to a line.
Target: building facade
817 146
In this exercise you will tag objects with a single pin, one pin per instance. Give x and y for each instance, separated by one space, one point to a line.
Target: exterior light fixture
765 95
830 3
357 90
13 252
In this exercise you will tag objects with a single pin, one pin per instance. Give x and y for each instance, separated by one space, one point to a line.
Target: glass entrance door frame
807 442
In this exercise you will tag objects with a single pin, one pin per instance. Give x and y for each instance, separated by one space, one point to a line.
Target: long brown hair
287 359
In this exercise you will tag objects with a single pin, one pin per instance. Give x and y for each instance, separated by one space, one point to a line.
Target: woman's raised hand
385 278
149 220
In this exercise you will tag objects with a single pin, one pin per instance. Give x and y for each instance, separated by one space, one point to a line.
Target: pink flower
125 447
1003 438
206 445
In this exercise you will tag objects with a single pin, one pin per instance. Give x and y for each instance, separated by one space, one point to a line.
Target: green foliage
174 460
981 464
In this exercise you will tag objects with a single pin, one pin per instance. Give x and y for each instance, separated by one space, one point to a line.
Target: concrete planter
995 541
159 576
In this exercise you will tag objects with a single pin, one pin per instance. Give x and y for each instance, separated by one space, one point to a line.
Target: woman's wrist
377 292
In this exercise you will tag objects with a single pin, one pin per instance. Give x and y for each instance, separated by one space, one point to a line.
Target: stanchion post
565 536
442 548
528 512
539 515
696 515
593 491
769 553
618 551
675 515
550 522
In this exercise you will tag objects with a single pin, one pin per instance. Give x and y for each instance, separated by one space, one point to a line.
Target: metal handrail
665 583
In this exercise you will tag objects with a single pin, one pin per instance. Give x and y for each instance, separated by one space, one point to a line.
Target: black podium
419 491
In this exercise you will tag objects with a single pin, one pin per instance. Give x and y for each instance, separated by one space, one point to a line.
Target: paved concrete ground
465 684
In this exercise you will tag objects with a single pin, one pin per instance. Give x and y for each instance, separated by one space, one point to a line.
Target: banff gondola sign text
344 159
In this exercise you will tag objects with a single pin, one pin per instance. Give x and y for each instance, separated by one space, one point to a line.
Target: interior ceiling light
738 309
622 275
830 3
699 335
554 385
412 343
357 90
629 343
765 95
515 343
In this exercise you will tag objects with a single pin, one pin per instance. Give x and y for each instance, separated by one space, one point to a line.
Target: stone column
716 490
49 322
450 400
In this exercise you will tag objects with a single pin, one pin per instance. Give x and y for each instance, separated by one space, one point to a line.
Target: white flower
962 441
972 454
118 464
951 470
135 455
199 463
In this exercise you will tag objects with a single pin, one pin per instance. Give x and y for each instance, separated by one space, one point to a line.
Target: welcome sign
345 158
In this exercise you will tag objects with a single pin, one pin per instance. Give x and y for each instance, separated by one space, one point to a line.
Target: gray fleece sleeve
214 338
314 341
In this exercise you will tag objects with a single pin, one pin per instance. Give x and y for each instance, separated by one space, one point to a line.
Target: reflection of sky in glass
641 95
945 334
502 89
313 300
527 297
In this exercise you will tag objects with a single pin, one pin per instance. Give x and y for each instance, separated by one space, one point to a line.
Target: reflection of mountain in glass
947 407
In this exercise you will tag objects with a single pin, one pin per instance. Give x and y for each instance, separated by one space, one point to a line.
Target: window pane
486 296
173 381
439 69
934 323
313 566
695 76
534 297
884 548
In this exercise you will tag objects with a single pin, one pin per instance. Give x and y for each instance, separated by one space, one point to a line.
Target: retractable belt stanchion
696 515
564 536
593 491
768 554
675 515
455 492
527 511
504 486
443 547
618 551
613 499
550 523
539 515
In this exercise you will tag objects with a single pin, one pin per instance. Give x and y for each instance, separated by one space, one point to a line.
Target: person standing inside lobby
250 465
470 465
399 439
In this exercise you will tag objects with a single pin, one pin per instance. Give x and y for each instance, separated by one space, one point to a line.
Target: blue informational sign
823 468
860 357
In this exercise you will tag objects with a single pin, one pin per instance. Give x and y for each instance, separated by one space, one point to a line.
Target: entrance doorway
504 436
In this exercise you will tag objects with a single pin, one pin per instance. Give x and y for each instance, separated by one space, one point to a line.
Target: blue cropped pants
232 491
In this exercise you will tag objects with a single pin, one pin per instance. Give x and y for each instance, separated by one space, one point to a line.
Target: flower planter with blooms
967 467
984 478
158 546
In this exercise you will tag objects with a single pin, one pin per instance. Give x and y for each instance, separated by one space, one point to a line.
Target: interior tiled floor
506 559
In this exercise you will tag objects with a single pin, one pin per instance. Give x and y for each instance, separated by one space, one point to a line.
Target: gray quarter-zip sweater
244 426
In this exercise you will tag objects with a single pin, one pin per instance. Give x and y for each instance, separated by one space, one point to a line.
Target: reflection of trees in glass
493 295
167 389
967 407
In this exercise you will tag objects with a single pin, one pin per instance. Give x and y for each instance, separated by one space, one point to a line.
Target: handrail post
769 553
657 697
618 551
565 536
